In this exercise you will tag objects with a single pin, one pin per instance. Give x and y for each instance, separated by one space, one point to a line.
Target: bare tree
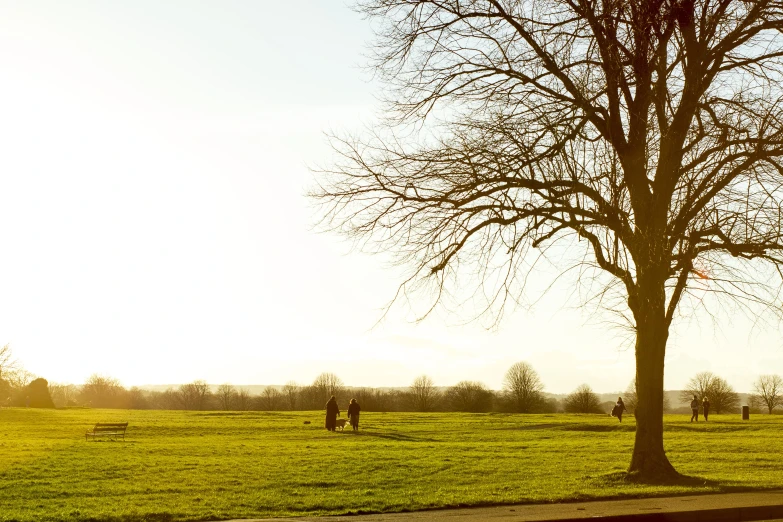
326 385
194 396
243 399
523 387
226 396
11 372
769 390
137 399
582 400
721 395
290 394
169 399
270 399
101 391
698 386
755 403
376 399
469 396
64 394
310 398
18 377
643 135
7 362
423 394
5 392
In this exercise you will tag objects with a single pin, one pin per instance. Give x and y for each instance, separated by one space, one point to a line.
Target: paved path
728 507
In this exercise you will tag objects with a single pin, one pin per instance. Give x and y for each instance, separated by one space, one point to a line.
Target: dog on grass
340 423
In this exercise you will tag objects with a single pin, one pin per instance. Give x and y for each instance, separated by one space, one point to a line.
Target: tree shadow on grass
401 437
715 428
599 428
619 478
543 426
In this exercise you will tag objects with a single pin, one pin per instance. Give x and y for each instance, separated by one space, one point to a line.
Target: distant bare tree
270 399
367 399
64 394
18 377
469 396
168 399
643 136
310 398
423 394
226 396
721 395
7 362
582 400
194 396
375 399
5 393
243 399
698 386
291 394
101 391
769 390
137 399
755 404
523 388
326 385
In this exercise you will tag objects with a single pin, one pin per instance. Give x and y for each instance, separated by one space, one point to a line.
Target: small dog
340 423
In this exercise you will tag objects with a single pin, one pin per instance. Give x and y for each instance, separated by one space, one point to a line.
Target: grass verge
219 465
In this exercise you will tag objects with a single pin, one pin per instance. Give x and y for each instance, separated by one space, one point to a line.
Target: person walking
353 414
705 408
619 408
695 409
332 411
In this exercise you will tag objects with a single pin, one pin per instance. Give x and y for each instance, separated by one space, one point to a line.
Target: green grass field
216 465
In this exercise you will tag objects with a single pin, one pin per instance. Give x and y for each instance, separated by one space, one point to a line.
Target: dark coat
332 410
353 408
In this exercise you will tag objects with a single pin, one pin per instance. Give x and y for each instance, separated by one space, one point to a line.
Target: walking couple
332 411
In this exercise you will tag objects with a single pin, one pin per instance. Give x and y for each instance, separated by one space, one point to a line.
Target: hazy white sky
154 227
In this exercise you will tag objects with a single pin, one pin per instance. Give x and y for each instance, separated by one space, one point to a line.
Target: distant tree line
522 392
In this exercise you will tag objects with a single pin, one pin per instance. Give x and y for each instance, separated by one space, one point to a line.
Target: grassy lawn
216 465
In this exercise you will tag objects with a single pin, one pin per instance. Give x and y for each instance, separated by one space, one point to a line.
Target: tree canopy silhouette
642 135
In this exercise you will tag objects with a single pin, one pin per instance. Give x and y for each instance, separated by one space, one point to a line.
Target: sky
154 226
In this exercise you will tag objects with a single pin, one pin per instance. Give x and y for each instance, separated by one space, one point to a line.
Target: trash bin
746 413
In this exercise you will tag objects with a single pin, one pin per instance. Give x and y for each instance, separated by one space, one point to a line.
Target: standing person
332 411
705 407
695 409
353 414
619 408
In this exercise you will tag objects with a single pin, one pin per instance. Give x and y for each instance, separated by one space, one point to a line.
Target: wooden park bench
107 429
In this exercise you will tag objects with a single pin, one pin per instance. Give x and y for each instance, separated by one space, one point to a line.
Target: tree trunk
649 461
